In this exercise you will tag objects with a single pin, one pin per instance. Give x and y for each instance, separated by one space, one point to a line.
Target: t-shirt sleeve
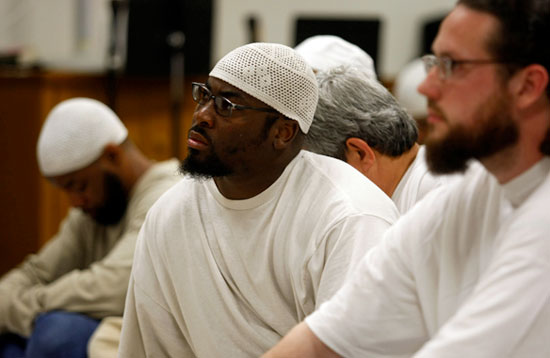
341 251
369 313
377 311
149 328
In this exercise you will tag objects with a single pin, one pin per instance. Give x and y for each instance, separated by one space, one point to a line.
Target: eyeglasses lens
202 95
223 106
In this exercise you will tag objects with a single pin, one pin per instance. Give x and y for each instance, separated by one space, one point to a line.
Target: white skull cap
75 134
324 52
274 74
405 88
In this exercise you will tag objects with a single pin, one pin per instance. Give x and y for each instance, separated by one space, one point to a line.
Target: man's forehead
217 85
465 33
67 181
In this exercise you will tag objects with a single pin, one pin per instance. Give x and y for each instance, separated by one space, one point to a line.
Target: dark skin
237 140
84 187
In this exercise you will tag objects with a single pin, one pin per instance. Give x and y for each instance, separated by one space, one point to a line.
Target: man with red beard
466 273
53 302
259 232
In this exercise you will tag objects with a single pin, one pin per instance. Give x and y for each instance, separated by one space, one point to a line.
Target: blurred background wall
74 34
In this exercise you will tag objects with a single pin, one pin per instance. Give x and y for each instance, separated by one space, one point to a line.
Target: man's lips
196 141
434 116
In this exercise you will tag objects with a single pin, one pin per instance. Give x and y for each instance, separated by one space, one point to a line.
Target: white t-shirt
466 273
416 183
214 277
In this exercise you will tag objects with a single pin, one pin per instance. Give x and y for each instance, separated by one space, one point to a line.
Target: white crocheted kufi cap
405 89
274 74
324 52
75 134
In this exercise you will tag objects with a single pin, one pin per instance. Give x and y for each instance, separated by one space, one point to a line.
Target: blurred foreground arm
300 342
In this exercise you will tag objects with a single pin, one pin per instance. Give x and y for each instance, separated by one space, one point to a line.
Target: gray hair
353 105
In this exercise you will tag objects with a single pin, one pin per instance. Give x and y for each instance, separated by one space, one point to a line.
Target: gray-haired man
358 121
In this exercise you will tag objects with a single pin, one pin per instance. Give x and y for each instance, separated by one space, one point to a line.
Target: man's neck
240 186
136 165
391 170
511 162
518 158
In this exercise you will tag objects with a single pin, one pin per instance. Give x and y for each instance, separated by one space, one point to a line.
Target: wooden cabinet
30 207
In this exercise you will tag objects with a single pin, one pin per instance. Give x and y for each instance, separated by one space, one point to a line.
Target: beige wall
400 33
51 31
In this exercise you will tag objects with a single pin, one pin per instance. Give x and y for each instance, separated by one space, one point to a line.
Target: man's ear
359 154
285 132
528 85
112 155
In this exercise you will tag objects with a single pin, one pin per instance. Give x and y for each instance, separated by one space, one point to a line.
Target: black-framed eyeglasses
446 65
222 106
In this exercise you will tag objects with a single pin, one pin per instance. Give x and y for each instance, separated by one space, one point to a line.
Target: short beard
211 167
115 201
452 153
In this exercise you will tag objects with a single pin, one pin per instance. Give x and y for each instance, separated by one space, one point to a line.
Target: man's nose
430 87
204 114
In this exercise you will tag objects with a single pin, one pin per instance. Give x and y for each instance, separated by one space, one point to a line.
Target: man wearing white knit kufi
53 302
259 232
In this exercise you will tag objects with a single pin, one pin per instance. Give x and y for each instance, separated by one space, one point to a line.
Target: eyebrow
451 53
444 54
227 93
231 94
